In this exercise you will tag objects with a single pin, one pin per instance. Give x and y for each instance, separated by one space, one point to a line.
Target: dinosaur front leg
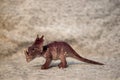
46 64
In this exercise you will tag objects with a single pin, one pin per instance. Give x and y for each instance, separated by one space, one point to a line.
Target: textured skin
54 51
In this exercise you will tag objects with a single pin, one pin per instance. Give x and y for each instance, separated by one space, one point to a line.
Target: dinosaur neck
44 49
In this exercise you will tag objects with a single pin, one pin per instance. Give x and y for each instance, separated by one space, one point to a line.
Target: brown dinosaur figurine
53 51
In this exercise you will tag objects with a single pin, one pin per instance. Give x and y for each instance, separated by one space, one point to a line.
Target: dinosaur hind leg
63 63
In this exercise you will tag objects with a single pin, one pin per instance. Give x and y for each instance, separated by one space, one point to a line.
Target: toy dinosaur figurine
53 51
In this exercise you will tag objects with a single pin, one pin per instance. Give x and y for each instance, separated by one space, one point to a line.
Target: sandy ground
16 67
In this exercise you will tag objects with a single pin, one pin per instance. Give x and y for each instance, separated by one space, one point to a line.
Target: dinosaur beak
28 60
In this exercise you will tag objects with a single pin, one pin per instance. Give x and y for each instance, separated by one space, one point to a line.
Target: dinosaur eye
33 50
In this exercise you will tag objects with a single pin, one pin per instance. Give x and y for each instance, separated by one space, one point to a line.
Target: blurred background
91 27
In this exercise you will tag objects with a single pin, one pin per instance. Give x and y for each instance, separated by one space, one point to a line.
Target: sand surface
16 68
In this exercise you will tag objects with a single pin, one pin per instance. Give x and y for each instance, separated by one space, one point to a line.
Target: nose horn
25 52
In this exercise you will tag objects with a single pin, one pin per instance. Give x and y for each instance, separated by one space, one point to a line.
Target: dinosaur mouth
28 60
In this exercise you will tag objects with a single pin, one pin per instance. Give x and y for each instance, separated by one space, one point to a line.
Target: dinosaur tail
78 57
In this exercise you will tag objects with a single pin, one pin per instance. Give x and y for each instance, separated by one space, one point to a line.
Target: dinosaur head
35 49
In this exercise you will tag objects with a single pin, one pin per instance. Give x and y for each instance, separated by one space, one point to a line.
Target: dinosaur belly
55 56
